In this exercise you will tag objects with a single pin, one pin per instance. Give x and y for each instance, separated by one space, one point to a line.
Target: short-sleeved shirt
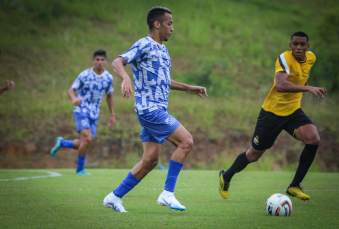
285 103
151 65
91 87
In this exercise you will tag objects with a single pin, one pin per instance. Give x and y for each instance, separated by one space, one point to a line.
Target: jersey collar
96 73
161 45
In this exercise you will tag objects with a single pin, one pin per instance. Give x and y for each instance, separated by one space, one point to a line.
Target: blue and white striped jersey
91 87
151 65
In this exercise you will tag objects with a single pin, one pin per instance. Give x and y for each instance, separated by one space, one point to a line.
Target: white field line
50 174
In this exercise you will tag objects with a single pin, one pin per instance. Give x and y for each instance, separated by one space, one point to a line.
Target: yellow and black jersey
285 103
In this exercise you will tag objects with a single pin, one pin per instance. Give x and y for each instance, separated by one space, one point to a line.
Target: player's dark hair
299 34
156 14
99 52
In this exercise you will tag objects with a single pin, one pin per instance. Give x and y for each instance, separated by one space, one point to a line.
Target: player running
151 65
281 111
90 85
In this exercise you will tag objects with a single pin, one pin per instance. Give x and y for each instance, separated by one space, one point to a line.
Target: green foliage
229 47
326 70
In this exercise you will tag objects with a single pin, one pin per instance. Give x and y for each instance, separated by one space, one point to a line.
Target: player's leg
82 122
309 135
85 143
87 128
141 169
240 163
303 129
183 140
60 142
149 159
138 172
266 131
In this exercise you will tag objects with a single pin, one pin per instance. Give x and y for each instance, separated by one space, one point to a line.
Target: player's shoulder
85 72
143 42
286 54
310 56
108 74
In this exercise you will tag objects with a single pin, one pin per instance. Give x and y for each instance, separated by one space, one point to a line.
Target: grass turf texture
71 201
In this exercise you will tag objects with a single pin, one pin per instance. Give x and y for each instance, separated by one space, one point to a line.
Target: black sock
239 164
305 162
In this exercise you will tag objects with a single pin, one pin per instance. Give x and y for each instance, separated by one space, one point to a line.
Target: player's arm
110 104
197 90
76 101
119 69
9 85
282 85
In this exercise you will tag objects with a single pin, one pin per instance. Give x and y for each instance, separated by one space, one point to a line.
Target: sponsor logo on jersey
170 121
84 122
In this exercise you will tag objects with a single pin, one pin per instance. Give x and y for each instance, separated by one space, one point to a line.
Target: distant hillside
230 47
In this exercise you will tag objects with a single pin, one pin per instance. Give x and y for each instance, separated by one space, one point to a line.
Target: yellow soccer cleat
223 186
297 192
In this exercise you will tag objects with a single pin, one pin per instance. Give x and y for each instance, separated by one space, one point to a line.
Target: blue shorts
84 121
157 126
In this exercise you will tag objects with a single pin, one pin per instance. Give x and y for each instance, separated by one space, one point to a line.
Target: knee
313 140
149 164
87 141
187 144
253 156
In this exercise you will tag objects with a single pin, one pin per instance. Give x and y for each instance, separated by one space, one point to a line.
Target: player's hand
317 90
111 121
197 90
9 85
126 87
77 101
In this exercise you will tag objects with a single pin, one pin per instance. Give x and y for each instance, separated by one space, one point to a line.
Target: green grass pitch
70 201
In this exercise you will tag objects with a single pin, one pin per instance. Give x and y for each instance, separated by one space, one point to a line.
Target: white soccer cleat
168 199
114 202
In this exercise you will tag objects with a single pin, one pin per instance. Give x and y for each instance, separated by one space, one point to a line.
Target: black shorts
270 125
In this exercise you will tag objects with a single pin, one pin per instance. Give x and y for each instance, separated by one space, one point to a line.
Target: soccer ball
279 204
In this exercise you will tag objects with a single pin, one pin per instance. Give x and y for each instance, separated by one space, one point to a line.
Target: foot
168 199
297 192
114 202
223 185
57 146
82 172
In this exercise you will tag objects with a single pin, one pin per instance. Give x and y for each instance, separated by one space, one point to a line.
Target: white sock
167 193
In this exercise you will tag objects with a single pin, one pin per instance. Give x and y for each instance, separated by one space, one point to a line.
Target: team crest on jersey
256 140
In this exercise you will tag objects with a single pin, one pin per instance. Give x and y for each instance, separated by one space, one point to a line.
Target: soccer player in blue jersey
151 65
90 85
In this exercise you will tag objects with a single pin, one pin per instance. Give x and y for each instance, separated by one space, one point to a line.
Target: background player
90 85
281 111
151 66
9 85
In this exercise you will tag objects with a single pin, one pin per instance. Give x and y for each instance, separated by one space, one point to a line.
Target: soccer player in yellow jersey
281 111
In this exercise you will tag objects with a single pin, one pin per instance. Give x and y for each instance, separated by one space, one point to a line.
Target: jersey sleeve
139 49
283 63
77 84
